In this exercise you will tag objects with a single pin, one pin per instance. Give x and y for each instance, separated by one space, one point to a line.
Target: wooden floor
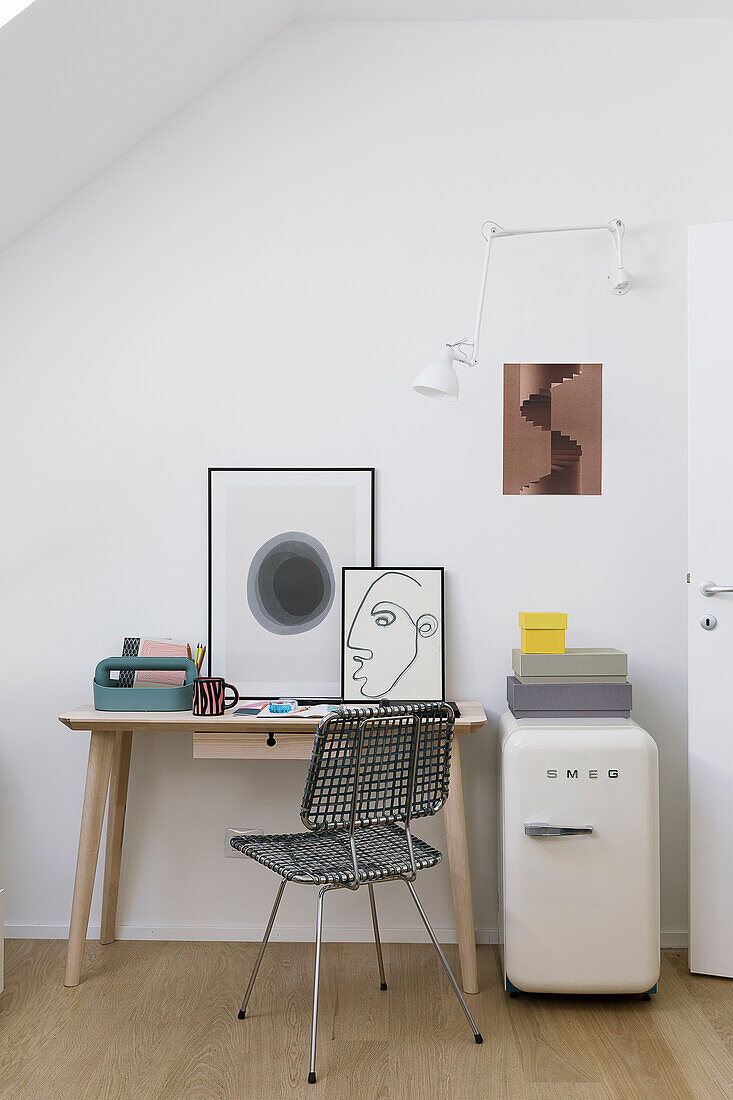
159 1020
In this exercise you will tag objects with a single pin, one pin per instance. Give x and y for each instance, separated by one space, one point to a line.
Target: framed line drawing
278 542
393 635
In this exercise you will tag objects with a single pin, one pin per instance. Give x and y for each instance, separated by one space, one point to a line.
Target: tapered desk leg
115 830
101 745
460 876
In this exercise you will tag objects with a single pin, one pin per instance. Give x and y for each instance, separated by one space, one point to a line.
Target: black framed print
393 635
278 542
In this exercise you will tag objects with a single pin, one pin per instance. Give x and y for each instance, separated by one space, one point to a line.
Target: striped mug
209 695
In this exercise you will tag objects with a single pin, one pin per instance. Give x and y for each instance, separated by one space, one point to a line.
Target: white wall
82 81
258 283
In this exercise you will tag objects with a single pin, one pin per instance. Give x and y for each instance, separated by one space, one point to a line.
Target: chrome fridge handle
541 828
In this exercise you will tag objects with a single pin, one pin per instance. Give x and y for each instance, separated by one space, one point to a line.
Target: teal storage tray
109 696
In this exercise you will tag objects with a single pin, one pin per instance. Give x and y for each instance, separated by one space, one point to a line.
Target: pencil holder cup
209 695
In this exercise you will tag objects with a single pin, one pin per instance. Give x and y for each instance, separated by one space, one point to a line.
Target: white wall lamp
439 378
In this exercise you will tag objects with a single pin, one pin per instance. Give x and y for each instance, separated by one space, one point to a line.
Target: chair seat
323 858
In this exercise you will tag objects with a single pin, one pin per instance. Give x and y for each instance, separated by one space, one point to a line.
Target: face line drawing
384 614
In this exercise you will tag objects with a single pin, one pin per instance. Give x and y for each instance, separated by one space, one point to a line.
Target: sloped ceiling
460 10
82 81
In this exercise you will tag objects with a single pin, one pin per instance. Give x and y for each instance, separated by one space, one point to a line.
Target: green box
573 662
109 696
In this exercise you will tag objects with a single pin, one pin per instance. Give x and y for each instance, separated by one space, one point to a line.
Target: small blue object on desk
111 696
282 706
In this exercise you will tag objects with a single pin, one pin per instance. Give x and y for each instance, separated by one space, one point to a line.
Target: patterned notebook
130 648
153 647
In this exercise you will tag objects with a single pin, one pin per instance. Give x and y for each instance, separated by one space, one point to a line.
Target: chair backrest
377 765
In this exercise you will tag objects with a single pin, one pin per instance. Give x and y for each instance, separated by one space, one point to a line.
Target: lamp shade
439 378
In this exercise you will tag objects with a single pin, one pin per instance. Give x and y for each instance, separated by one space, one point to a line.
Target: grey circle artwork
290 584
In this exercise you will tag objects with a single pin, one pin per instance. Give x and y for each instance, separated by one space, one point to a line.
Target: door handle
710 588
541 828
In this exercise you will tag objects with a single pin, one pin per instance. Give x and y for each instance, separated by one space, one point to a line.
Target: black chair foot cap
240 1015
383 985
646 997
479 1038
514 996
311 1078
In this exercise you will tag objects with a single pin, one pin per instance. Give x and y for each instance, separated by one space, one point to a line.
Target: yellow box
543 641
543 620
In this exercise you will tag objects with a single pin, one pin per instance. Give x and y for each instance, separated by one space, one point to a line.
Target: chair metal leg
319 930
377 940
263 945
476 1033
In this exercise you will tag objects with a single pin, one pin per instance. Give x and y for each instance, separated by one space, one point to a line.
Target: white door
710 334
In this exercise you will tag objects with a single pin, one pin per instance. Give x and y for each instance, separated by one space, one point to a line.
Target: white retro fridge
578 855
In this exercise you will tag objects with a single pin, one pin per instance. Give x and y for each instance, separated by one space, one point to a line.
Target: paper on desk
299 712
259 708
316 712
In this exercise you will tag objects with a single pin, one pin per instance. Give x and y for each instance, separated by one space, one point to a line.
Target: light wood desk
224 738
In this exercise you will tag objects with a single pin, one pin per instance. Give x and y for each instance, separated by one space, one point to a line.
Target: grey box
571 714
571 679
573 662
584 700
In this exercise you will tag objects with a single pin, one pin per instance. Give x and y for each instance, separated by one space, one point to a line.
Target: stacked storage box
551 681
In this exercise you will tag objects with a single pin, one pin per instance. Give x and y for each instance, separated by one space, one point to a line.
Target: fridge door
580 870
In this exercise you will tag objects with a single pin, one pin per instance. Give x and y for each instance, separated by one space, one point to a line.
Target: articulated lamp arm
490 231
439 379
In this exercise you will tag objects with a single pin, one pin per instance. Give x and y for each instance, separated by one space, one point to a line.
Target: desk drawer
235 745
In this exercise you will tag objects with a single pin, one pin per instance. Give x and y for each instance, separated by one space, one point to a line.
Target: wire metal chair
371 771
